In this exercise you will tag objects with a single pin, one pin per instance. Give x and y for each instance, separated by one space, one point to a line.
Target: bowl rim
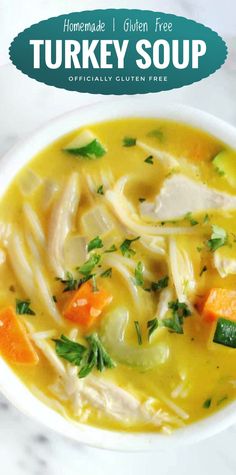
10 385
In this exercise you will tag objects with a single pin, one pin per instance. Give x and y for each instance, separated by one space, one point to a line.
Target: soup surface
117 267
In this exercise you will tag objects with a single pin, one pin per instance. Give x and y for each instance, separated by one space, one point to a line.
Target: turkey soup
118 271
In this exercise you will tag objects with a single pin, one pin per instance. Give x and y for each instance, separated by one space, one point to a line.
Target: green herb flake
189 218
100 190
207 403
113 248
70 282
107 273
54 298
23 307
180 311
219 171
125 247
69 350
95 243
138 274
204 269
206 219
149 160
222 399
152 325
129 142
218 238
89 265
94 356
157 134
160 284
138 331
91 151
141 200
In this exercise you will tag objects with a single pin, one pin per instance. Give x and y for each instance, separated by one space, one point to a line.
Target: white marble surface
27 448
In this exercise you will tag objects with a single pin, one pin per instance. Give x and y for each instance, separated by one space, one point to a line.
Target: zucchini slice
86 145
225 333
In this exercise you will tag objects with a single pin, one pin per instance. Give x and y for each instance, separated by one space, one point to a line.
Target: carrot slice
15 345
86 305
220 303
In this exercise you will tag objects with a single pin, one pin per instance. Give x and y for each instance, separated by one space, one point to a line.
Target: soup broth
118 263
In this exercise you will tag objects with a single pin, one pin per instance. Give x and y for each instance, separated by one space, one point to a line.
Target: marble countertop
27 448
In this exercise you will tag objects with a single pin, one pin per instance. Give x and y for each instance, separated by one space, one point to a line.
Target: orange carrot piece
220 303
15 345
86 305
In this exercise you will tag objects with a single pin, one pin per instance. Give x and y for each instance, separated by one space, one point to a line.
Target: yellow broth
208 368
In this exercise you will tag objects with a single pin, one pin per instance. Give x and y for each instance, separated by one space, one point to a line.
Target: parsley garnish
91 151
149 160
95 243
107 273
100 190
160 284
138 331
54 298
70 282
206 219
157 133
73 284
138 274
179 311
23 307
125 247
88 358
218 238
204 269
89 265
207 403
113 248
152 325
142 200
129 142
189 218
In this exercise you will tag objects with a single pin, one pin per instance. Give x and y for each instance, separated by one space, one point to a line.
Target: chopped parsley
149 160
189 218
129 141
138 274
204 269
206 219
138 331
70 282
23 307
125 247
142 200
89 265
218 238
54 298
91 151
113 248
95 243
152 325
180 311
160 284
157 134
107 273
222 399
88 358
207 403
100 190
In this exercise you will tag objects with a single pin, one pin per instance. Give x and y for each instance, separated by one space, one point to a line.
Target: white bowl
10 385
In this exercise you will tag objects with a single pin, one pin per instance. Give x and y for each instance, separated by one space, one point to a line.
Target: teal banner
118 51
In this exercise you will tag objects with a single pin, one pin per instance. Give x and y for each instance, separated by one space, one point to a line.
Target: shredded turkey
180 195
